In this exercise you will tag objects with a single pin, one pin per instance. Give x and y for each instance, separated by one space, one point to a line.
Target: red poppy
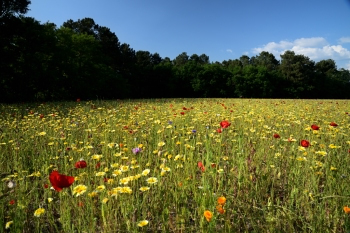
182 113
201 166
333 124
304 143
12 202
225 124
219 130
80 164
276 135
98 165
315 127
41 116
59 181
46 186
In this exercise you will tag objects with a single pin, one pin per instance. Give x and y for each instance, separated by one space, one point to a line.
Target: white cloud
313 41
229 50
316 48
344 40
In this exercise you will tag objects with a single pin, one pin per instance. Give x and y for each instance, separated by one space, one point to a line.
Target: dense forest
81 59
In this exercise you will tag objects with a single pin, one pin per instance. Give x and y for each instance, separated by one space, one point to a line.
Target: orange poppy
346 210
201 166
220 209
208 215
221 200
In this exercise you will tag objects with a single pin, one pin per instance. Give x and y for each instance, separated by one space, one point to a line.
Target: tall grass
271 184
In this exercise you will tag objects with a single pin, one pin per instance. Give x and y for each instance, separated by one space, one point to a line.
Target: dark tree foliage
10 8
81 59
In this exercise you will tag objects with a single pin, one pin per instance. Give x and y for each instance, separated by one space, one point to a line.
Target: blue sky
221 29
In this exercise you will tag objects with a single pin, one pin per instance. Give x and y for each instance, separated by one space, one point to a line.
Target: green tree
245 60
212 81
299 70
110 44
181 59
267 60
254 82
9 8
30 62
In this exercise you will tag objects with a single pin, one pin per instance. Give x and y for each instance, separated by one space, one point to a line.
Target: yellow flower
220 171
301 159
93 194
324 153
152 180
111 145
100 173
142 223
8 224
166 169
96 157
124 180
116 172
161 144
100 188
208 215
110 181
42 133
332 146
124 168
145 172
105 200
79 190
126 190
115 191
143 189
49 199
39 212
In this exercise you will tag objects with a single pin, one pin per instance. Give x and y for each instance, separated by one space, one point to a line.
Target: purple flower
194 131
136 150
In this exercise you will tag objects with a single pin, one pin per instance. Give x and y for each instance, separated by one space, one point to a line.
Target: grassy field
176 165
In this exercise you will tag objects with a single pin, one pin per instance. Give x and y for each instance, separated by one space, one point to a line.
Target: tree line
81 59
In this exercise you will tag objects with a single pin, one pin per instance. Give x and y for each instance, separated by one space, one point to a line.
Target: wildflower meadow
175 165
